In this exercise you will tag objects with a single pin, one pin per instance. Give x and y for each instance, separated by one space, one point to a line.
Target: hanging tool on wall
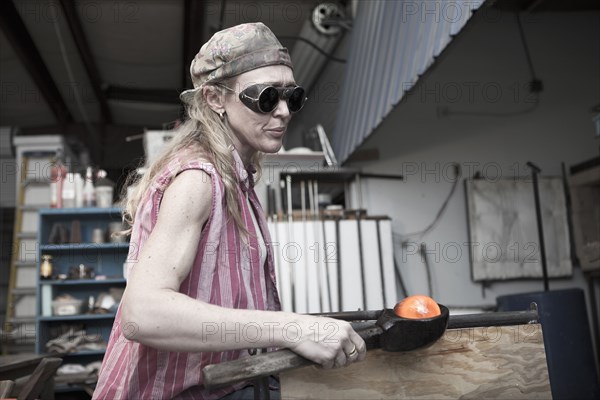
339 260
313 190
358 215
290 219
304 240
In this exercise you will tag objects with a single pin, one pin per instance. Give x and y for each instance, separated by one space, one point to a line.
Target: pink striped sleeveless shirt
226 272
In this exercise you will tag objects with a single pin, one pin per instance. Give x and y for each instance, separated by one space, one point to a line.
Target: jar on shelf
46 267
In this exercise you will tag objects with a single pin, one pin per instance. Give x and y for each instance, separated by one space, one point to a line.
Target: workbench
19 366
507 362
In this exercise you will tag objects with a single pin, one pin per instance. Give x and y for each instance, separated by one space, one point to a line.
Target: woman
201 283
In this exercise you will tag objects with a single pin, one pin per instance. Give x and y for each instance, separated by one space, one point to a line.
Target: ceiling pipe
533 5
165 96
309 62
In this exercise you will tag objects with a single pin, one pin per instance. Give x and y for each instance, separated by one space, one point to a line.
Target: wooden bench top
495 362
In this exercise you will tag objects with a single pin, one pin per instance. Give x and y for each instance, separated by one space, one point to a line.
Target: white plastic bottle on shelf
104 190
68 191
78 190
89 194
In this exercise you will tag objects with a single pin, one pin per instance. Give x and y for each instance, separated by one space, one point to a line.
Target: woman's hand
329 342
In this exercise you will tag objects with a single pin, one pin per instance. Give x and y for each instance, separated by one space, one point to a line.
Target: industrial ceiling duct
324 30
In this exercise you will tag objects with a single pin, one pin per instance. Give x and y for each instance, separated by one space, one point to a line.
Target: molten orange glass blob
417 307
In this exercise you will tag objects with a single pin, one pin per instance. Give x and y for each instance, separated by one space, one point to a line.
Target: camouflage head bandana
233 51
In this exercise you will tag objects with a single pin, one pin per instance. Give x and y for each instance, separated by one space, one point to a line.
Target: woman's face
257 131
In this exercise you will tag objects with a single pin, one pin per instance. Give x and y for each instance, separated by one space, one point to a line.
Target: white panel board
279 235
308 255
311 259
372 270
297 255
331 262
352 298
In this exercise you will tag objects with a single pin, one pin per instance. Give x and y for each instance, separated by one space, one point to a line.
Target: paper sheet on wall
504 241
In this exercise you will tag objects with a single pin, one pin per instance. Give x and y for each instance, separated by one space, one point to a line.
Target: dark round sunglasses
263 98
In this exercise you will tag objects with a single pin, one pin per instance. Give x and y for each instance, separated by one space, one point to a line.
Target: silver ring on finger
352 353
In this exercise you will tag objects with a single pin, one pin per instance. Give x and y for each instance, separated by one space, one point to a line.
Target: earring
221 115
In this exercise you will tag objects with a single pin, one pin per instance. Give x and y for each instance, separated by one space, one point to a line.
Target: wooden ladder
17 333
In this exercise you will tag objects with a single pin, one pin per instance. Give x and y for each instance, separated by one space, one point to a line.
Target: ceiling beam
13 27
165 96
193 28
534 6
86 56
515 5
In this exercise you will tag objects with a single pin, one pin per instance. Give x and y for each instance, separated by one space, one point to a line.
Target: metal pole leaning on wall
535 170
288 196
380 250
315 220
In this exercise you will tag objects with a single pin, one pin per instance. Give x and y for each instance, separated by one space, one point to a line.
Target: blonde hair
205 136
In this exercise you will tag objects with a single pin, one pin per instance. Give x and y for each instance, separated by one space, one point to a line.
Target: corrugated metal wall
393 43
